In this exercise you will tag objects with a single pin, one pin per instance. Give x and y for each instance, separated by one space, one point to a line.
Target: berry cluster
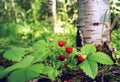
67 50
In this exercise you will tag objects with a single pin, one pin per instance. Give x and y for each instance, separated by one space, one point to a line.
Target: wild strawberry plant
50 59
88 58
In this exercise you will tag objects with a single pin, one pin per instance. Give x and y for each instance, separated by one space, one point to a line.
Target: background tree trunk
93 21
52 12
94 25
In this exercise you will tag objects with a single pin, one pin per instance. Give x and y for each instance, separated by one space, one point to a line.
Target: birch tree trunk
94 25
52 12
93 21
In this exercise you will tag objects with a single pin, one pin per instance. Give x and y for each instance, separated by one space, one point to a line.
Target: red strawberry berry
61 43
65 81
61 57
81 58
69 50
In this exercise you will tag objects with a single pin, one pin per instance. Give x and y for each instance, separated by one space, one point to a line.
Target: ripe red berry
61 43
81 58
69 50
61 57
65 81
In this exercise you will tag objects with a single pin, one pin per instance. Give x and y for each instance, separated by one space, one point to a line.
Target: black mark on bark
96 24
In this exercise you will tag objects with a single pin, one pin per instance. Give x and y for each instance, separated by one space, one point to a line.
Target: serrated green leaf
101 58
27 61
14 54
40 51
89 67
9 69
24 63
57 64
47 69
39 55
22 75
72 64
53 74
41 45
88 49
37 68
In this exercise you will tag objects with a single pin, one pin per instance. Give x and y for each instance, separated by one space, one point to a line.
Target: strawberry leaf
101 58
88 49
14 54
4 72
72 64
41 45
47 69
39 55
22 75
37 68
89 67
57 64
24 63
27 61
40 51
52 74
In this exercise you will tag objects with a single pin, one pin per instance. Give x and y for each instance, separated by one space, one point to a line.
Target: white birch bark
52 11
91 21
